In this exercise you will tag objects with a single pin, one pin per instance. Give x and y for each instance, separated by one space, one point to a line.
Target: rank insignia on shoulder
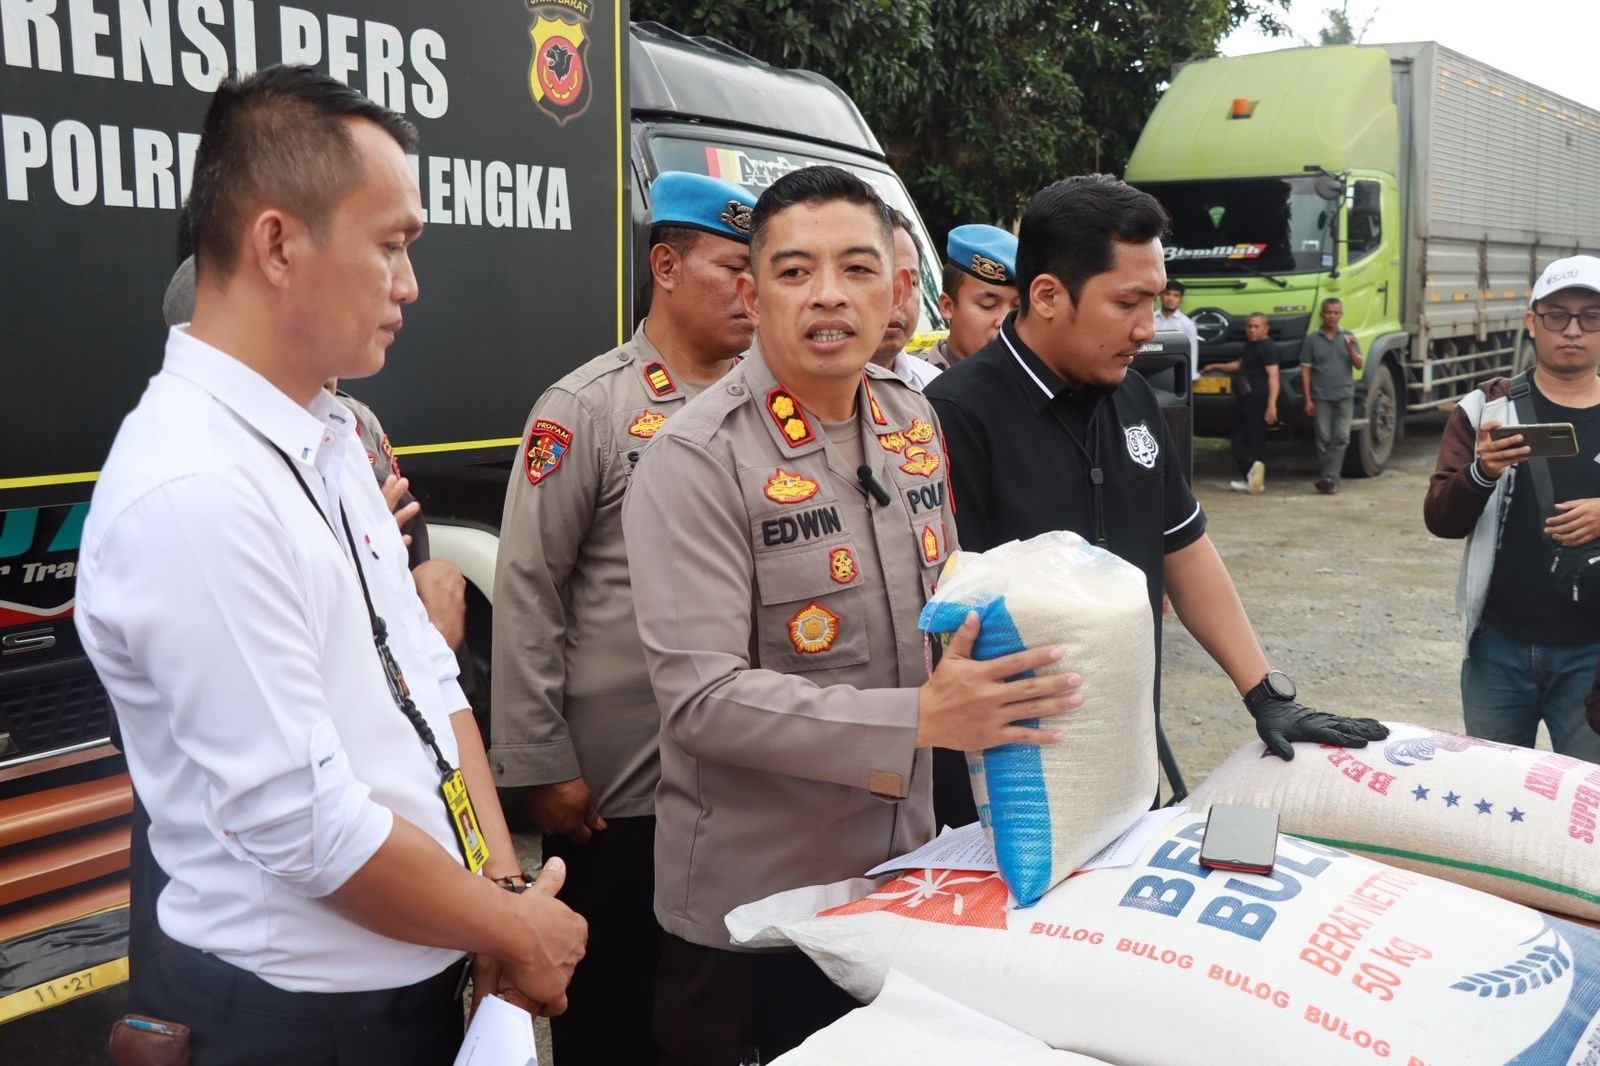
920 432
813 629
842 565
920 461
872 406
892 442
647 423
547 445
930 545
784 487
791 420
656 376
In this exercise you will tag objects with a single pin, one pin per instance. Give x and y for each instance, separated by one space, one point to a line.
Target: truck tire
1372 441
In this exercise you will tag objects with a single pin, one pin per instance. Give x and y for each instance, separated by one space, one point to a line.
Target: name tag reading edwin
465 820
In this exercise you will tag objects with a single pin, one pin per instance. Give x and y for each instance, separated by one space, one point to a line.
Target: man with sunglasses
1529 649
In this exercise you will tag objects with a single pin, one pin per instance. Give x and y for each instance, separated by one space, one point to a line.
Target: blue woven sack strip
1019 809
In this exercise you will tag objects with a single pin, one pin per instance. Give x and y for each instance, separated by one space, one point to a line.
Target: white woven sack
1331 959
909 1022
1511 821
1047 809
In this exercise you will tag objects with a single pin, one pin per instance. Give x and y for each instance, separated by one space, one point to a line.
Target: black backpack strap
1521 397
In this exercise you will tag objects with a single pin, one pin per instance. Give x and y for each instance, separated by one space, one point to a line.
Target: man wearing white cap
1531 634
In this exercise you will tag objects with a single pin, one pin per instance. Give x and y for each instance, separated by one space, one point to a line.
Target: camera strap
1521 397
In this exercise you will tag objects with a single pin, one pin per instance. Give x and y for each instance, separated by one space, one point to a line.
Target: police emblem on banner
558 76
1142 446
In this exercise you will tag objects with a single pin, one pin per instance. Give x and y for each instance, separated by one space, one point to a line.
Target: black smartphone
1241 839
1549 440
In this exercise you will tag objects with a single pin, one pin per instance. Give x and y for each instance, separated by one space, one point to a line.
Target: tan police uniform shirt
939 354
784 657
570 692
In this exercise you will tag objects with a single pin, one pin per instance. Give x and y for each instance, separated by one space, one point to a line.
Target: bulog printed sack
1330 959
1047 809
1511 821
910 1023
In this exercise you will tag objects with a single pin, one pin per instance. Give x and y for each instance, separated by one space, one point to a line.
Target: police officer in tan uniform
783 533
980 289
574 718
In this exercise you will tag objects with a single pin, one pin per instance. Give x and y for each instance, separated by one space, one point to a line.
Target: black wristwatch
1275 686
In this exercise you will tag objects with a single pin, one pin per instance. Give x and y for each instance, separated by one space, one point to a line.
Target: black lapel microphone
870 483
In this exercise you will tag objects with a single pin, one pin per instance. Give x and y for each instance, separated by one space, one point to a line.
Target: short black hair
278 135
1262 315
816 185
899 220
680 239
1173 285
1068 229
1330 301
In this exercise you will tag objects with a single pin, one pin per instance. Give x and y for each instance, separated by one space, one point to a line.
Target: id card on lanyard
473 847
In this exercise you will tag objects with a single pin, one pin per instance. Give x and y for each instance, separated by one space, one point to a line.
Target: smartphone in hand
1240 839
1549 440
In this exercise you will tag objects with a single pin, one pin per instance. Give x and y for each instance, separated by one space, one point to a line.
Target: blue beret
678 198
988 253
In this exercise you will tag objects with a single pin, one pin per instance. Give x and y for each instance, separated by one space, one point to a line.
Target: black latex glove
1279 722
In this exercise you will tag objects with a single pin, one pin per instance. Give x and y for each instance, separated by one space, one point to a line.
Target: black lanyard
380 632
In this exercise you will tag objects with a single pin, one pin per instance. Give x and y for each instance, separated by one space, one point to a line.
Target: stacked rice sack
1047 809
1514 822
911 1023
1331 959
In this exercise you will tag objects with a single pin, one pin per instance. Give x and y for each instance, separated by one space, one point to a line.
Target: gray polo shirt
1332 377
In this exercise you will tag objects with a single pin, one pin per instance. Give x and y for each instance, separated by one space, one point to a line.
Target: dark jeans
725 1008
237 1019
1249 430
611 882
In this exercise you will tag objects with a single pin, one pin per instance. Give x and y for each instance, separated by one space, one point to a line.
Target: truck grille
52 714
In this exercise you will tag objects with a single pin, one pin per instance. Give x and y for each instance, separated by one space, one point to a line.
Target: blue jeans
1509 686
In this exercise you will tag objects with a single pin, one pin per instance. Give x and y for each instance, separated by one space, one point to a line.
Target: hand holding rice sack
1047 809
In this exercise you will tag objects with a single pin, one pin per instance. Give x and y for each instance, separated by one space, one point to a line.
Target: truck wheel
1373 440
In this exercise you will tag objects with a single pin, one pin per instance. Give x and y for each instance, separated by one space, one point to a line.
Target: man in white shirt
903 317
291 719
1168 317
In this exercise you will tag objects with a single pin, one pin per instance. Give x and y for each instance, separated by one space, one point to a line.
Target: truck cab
1279 173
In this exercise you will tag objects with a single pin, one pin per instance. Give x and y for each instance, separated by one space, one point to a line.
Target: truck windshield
1246 225
757 167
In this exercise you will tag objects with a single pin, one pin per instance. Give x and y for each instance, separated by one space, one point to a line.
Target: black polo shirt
1022 446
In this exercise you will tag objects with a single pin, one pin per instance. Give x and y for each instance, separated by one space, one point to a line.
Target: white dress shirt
1180 321
913 370
227 623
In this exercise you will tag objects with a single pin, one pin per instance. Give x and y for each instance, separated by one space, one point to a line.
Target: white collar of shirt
298 432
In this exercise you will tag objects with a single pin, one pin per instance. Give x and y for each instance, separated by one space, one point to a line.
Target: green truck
1421 187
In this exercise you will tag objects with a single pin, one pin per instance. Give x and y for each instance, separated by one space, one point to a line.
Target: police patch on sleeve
547 445
1142 446
813 629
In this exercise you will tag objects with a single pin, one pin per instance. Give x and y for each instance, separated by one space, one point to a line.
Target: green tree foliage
981 104
1340 29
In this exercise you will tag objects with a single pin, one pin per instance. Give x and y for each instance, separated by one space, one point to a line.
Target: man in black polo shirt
1045 429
